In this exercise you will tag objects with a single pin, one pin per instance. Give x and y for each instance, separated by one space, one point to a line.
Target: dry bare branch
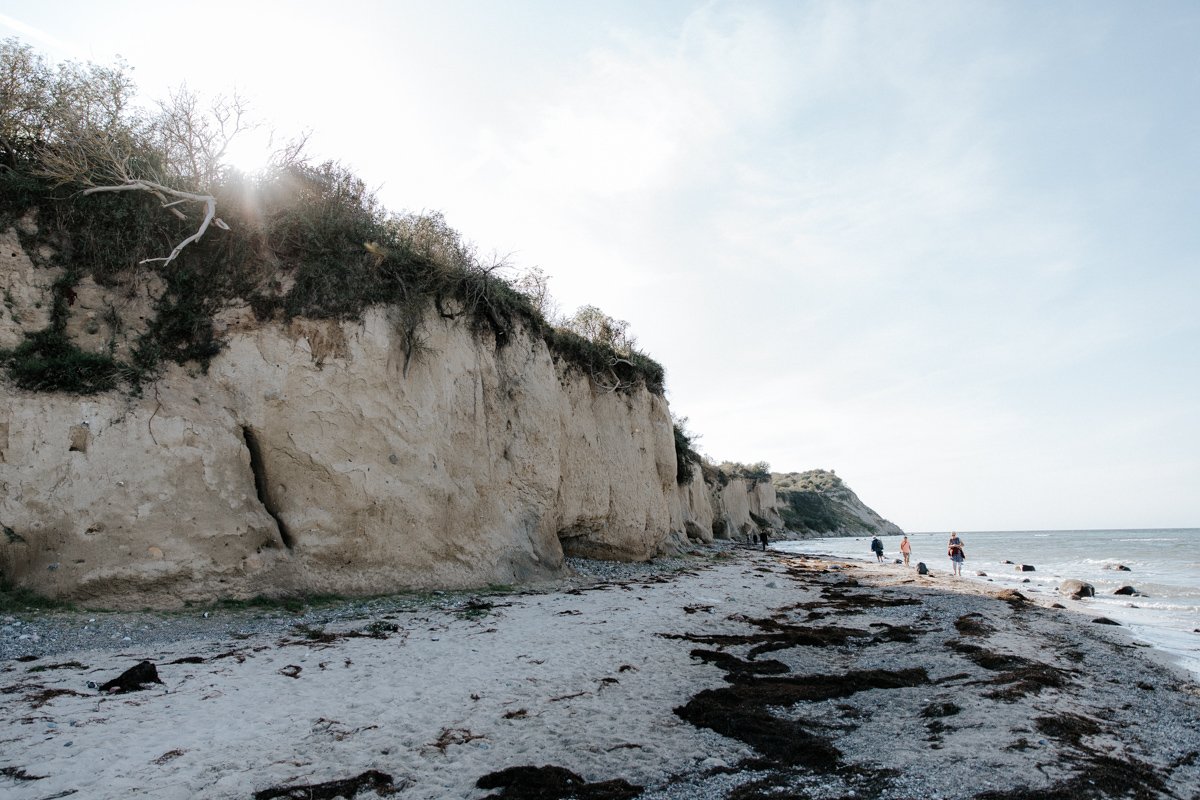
158 190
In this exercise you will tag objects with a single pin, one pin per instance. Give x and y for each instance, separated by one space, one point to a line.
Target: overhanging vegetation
297 239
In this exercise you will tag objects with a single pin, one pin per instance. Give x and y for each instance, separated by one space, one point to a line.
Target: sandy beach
740 675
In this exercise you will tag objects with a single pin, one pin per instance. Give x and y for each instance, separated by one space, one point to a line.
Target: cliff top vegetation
809 480
117 191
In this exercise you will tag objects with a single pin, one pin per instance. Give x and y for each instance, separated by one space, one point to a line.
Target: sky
950 250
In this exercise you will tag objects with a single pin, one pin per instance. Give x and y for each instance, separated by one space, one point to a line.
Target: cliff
321 456
742 506
817 503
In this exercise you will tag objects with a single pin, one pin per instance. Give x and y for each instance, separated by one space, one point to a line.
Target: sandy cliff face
315 456
306 460
692 509
738 502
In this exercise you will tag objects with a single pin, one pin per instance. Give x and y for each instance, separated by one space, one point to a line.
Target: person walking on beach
877 546
905 549
956 553
763 535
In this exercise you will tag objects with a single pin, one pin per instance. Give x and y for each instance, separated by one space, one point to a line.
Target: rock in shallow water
1076 589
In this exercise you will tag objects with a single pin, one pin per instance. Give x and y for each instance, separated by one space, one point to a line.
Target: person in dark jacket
877 546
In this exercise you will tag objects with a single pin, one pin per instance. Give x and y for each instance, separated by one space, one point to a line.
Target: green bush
49 362
686 458
758 471
603 364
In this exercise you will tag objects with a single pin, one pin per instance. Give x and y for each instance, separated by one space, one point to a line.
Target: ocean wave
1149 540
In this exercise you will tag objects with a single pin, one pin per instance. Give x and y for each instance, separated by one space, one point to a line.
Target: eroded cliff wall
740 506
306 460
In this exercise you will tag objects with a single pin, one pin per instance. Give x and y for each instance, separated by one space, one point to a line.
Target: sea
1164 568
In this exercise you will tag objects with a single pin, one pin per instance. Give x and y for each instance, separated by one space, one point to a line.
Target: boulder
134 679
1128 591
1025 568
1105 621
1077 589
922 569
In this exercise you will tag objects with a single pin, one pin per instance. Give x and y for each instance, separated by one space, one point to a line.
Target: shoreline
742 674
1162 615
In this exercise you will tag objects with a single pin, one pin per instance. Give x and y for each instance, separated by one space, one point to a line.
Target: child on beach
905 549
956 553
877 546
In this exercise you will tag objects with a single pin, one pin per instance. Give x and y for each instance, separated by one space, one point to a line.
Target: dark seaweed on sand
553 783
382 784
741 711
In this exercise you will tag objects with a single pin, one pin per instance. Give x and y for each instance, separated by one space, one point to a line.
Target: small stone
1127 591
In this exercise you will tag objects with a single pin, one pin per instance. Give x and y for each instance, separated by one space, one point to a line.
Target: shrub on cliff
686 457
758 471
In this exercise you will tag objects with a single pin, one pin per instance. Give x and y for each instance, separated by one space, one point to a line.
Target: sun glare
250 153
